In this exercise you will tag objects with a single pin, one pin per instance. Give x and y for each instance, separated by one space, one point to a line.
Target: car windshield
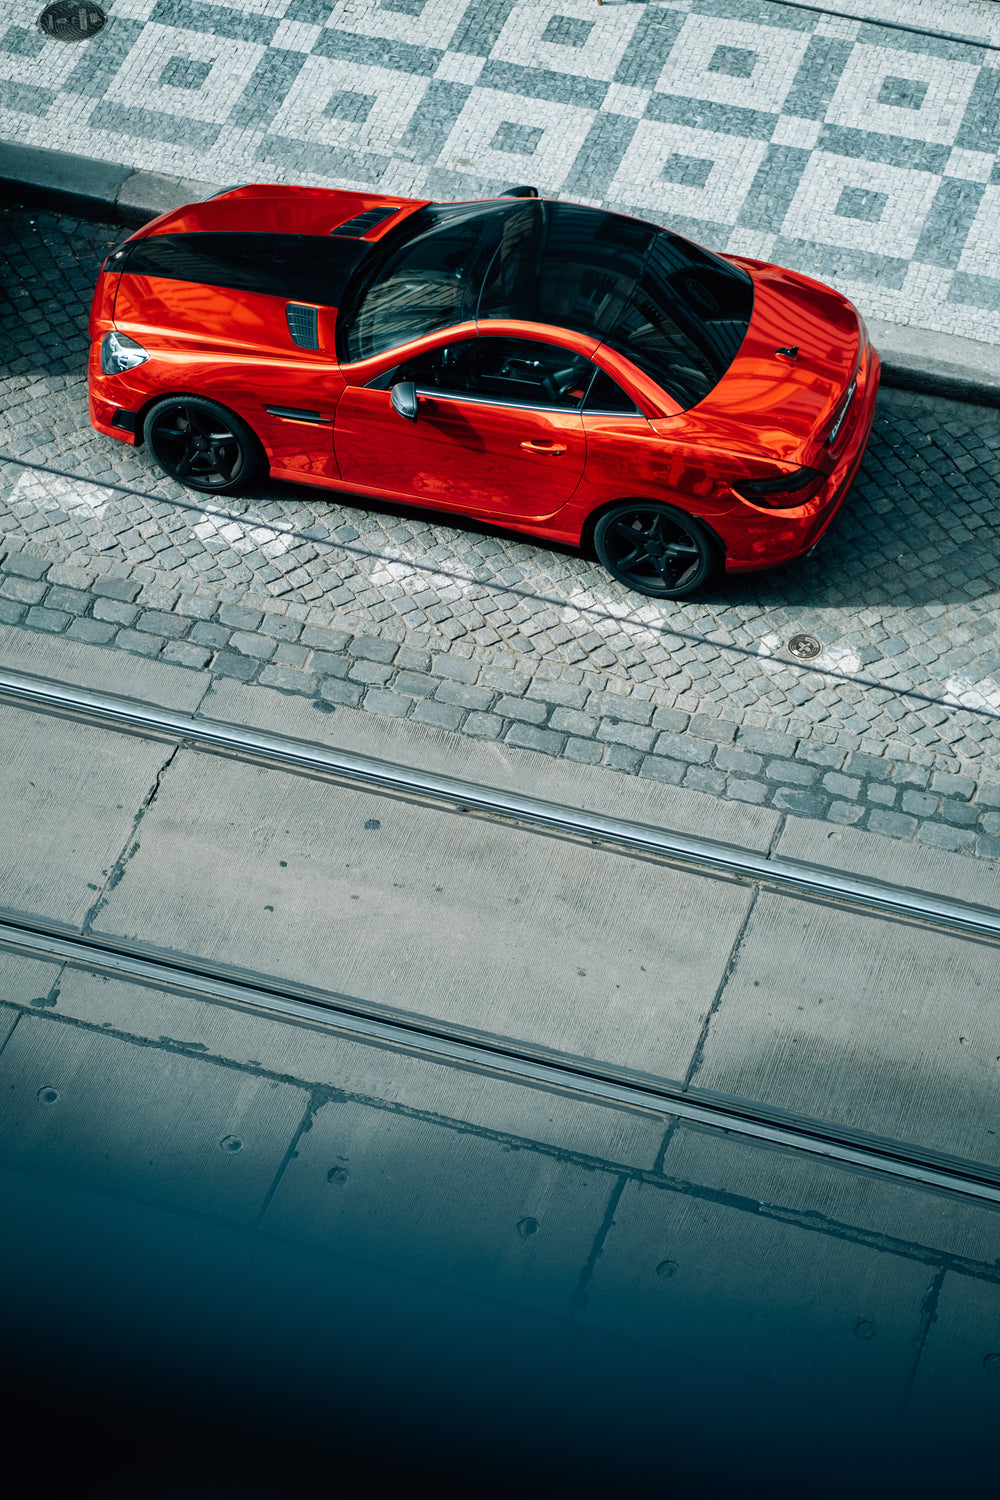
677 311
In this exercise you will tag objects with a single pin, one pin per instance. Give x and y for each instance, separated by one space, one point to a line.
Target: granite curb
913 359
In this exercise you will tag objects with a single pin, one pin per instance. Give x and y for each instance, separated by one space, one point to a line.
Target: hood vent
354 228
302 325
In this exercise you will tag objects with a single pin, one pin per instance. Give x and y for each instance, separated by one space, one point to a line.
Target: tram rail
446 1041
623 834
598 1082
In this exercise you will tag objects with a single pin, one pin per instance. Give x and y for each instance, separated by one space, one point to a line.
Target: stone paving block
376 672
11 613
95 632
393 705
660 769
869 767
638 736
158 622
883 796
484 726
464 696
944 837
456 668
959 814
727 758
707 728
671 719
288 679
325 639
125 589
417 684
524 709
808 804
73 601
988 846
114 611
204 633
328 665
527 737
564 694
23 565
882 820
412 660
988 794
441 715
232 664
919 804
184 653
793 772
680 747
584 751
611 706
952 786
623 758
250 643
237 617
766 741
334 690
24 590
704 779
373 648
41 618
845 812
841 786
573 722
747 791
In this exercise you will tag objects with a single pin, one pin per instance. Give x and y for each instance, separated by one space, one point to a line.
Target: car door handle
538 445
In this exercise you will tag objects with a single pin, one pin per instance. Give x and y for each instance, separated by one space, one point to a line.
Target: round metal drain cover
72 20
805 647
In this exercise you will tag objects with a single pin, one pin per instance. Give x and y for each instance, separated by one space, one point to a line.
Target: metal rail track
352 1015
617 833
598 1082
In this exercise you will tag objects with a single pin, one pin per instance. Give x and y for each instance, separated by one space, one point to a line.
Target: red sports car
554 369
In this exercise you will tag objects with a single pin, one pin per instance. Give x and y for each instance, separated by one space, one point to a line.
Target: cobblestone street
895 727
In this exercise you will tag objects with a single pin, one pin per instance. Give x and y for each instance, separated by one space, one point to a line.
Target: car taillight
783 492
842 411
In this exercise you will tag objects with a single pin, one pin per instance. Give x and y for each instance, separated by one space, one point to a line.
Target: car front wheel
201 444
654 549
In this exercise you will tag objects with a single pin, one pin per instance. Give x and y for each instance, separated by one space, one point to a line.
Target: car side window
515 372
606 395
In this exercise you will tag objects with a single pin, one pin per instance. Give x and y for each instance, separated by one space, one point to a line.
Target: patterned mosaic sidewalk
864 154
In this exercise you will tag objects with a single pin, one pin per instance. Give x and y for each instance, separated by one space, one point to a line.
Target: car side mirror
404 399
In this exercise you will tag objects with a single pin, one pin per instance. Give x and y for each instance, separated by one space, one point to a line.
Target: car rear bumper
761 539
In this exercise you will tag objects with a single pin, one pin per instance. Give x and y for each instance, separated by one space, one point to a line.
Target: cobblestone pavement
896 726
864 151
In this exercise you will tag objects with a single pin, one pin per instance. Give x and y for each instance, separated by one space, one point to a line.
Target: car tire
202 445
654 549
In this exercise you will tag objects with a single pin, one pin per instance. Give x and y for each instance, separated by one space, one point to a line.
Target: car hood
784 406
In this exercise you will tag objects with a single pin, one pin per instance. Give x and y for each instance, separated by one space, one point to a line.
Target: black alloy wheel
654 549
201 444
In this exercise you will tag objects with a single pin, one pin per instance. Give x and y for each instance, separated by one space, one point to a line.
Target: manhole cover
805 647
71 20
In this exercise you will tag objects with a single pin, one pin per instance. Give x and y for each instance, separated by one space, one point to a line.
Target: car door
498 430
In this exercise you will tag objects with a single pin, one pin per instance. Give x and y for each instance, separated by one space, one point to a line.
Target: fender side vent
354 228
303 325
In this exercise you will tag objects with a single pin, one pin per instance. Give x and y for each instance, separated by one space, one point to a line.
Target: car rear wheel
201 444
654 549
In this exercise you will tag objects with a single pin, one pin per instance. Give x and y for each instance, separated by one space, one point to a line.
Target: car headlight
120 353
